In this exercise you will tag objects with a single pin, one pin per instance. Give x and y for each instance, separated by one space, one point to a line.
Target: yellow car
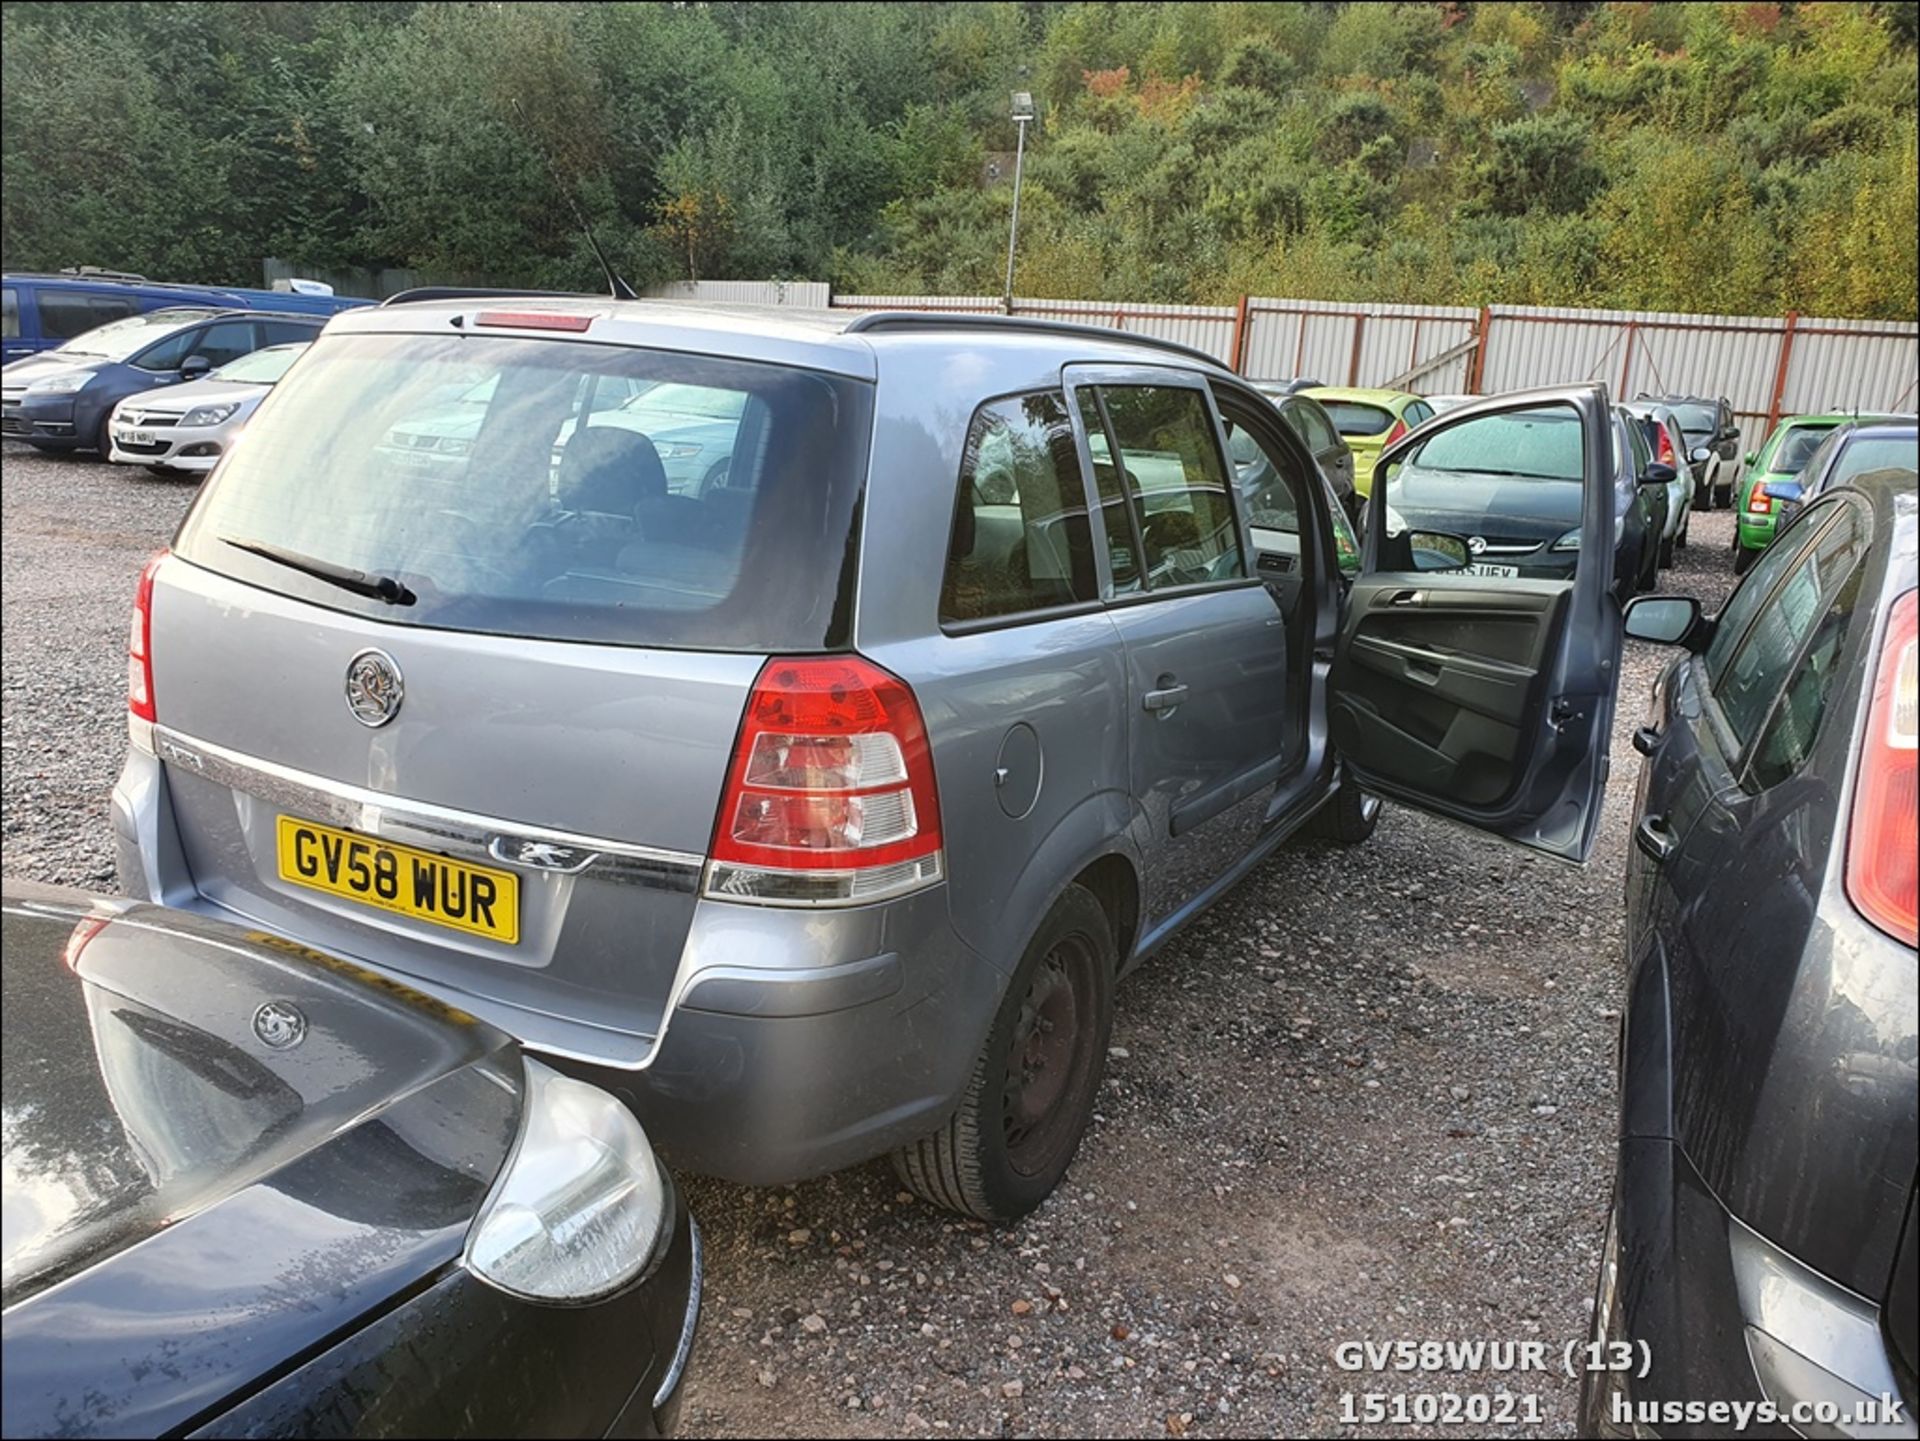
1369 421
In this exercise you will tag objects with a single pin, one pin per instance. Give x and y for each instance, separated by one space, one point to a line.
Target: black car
253 1189
1502 496
62 399
1762 1241
1713 445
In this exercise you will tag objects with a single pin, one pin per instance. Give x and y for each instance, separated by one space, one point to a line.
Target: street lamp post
1022 114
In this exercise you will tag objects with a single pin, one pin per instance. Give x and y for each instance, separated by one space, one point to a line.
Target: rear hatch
536 717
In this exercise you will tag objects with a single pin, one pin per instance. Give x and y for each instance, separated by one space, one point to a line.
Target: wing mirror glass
1437 550
1659 473
1702 454
1663 619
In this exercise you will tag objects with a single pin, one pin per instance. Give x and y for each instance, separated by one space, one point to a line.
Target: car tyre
1743 559
1034 1083
103 438
1667 543
1348 819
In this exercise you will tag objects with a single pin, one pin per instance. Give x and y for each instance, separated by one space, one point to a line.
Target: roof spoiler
899 320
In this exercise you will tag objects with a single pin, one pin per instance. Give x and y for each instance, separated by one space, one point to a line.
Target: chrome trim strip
689 1323
486 839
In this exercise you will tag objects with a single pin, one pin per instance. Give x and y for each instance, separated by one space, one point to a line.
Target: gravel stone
1463 1199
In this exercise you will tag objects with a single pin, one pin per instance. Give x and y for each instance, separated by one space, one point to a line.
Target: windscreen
1698 421
118 339
1526 444
515 487
1876 452
1352 418
262 367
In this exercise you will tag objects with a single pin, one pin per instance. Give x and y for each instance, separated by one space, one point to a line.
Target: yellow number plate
476 899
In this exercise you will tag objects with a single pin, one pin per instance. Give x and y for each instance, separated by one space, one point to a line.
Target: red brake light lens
1882 864
1399 429
1759 502
830 794
533 320
1666 448
140 645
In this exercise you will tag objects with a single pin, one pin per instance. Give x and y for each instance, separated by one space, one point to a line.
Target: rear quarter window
522 487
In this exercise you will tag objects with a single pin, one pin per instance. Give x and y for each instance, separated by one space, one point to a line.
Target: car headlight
209 414
1569 541
61 384
579 1208
678 452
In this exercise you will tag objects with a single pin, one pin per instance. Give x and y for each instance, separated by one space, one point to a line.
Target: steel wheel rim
1050 1063
1369 807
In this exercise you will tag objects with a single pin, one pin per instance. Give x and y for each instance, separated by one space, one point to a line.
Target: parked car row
788 731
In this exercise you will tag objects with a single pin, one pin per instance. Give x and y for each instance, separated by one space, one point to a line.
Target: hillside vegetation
1733 158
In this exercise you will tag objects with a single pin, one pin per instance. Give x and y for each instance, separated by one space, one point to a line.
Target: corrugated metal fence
1766 366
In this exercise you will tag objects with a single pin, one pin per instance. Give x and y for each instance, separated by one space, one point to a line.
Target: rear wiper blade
380 587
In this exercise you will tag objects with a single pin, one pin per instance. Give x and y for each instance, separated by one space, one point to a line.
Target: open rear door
1480 650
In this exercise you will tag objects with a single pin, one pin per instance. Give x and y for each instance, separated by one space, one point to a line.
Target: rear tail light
534 320
140 656
83 932
1667 457
1760 503
830 796
1881 857
1399 429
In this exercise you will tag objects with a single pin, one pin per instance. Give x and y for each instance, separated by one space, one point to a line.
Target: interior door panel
1441 681
1487 700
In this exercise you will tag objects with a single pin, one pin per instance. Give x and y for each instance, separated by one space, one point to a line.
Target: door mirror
1659 473
1663 619
1701 455
1437 550
1782 489
1752 456
195 366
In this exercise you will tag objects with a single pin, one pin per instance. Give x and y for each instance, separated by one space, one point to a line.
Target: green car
1793 440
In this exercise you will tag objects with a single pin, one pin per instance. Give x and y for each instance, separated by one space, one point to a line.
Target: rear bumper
463 1359
1717 1314
1754 532
796 1042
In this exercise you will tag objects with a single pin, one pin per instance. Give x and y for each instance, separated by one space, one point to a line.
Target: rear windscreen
1352 418
553 489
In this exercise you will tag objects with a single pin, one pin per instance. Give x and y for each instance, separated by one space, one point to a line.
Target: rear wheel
1034 1083
1686 524
1348 819
1743 559
1667 543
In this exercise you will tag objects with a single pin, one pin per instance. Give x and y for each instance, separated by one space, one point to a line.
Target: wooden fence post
1353 367
1479 370
1237 361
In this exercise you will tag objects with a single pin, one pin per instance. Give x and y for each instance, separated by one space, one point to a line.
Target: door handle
1654 839
1646 740
1165 698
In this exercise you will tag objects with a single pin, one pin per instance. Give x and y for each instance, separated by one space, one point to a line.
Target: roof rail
896 320
99 272
469 292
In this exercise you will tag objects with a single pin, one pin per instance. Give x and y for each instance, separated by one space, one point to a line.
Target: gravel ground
1368 1097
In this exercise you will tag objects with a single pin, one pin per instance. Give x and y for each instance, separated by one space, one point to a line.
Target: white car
1442 403
188 428
1667 439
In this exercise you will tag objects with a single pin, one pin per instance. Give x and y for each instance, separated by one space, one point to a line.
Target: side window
1171 469
1757 669
1119 526
1021 540
1269 496
1419 413
9 313
286 332
65 313
228 340
1795 722
167 354
1310 423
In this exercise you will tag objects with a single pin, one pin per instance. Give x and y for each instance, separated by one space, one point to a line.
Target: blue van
41 312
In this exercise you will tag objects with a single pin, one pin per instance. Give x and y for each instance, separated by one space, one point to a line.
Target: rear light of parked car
830 795
1399 429
140 657
1760 503
1881 857
1666 456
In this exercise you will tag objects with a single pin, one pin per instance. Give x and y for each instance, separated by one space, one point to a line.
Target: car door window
9 314
1795 723
1021 541
1119 525
63 314
1310 423
1756 667
228 340
286 332
169 353
1419 413
1175 482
